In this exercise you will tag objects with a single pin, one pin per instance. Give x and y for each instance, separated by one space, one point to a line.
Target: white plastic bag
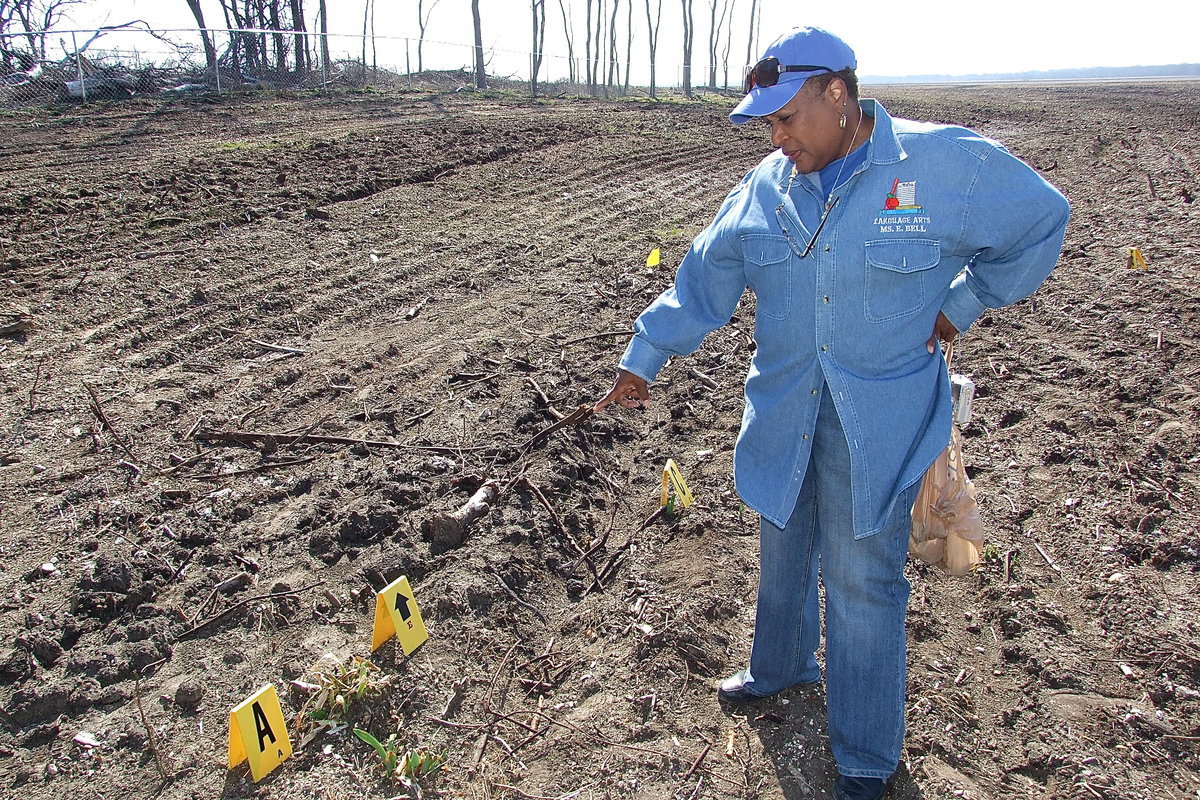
947 530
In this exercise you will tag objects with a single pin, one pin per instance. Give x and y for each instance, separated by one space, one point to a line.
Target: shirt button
824 348
826 298
814 391
806 436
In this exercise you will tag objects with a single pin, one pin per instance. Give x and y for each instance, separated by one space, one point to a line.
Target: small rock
86 739
189 694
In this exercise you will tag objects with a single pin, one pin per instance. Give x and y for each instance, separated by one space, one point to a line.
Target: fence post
217 64
78 67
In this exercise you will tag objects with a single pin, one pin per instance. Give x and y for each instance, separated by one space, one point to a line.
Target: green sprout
336 691
413 767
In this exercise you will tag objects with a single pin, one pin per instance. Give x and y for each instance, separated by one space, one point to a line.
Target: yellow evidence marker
673 477
1136 261
396 614
257 732
653 259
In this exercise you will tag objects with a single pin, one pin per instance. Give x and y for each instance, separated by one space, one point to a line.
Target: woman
866 239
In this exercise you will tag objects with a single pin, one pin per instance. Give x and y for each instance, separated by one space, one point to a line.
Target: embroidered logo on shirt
901 213
902 199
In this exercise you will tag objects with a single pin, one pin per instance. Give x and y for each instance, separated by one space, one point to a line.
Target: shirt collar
885 147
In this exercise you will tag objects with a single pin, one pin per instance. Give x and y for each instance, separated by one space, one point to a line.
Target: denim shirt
937 218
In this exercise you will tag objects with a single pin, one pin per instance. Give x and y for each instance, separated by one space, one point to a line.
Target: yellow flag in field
673 479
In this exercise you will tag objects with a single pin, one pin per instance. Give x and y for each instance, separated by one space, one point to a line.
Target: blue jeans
866 595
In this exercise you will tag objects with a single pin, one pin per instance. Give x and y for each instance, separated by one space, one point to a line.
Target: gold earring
842 121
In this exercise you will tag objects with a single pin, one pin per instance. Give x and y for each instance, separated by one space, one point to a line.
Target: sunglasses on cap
767 71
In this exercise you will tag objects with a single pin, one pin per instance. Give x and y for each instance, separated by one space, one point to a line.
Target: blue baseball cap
815 48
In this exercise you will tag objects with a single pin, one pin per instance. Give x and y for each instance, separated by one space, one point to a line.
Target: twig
705 379
242 437
487 377
628 542
305 434
278 348
415 418
584 556
1044 555
98 411
512 593
558 523
196 628
545 400
574 418
698 761
37 377
596 336
137 693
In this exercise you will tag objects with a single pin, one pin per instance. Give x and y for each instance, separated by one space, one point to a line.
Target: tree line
270 37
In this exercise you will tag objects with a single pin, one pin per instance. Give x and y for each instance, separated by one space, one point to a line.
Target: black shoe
733 690
848 787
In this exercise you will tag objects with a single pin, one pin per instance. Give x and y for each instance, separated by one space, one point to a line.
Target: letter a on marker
258 733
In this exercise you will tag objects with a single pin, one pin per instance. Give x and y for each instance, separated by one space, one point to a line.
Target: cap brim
764 100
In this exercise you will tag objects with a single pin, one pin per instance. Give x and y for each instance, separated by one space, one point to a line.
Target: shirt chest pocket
768 271
900 275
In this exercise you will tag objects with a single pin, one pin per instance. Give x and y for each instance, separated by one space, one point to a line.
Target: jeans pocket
897 276
768 271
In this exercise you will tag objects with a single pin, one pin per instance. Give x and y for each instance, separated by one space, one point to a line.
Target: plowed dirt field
253 346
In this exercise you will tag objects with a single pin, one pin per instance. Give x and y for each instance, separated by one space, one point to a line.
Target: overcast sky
954 37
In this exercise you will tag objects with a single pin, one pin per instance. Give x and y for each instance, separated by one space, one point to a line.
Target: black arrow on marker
403 609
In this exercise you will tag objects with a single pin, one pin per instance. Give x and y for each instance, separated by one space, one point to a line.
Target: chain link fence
120 63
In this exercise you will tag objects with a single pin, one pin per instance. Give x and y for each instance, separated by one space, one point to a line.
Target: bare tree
480 74
716 24
539 41
28 19
366 22
594 45
323 23
572 74
652 23
259 40
628 42
614 68
301 37
590 75
422 23
275 22
210 51
689 34
755 15
728 42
